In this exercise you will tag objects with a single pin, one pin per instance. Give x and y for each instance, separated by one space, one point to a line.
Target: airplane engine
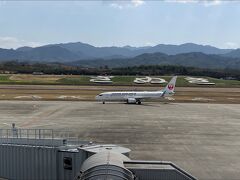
131 101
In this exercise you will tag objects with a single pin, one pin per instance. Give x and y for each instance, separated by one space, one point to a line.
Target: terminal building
44 154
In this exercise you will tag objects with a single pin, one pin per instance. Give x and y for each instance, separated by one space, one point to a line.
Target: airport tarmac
201 138
88 93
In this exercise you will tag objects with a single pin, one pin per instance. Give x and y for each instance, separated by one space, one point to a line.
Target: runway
202 138
88 93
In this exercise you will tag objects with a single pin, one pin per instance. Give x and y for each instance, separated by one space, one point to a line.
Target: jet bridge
43 154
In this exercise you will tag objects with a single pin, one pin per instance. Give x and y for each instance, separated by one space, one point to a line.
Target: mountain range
194 59
85 54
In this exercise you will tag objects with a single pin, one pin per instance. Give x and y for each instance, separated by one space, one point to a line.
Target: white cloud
116 5
181 1
137 3
203 2
149 44
213 2
231 45
12 42
126 4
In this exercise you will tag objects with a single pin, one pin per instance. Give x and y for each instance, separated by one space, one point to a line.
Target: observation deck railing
39 137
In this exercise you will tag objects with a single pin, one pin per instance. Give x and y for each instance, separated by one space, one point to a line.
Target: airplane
136 97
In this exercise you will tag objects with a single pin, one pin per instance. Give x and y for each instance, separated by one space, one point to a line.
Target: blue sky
119 23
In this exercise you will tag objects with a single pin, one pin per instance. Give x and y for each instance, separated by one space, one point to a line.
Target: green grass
225 83
128 80
119 80
181 82
4 78
74 80
123 80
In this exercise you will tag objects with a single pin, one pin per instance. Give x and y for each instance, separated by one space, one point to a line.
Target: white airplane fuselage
123 96
133 97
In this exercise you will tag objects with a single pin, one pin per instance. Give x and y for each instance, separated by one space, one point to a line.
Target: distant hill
186 48
128 51
68 52
42 54
50 54
24 48
233 54
92 52
194 59
9 54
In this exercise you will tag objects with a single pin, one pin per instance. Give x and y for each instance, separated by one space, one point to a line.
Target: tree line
57 68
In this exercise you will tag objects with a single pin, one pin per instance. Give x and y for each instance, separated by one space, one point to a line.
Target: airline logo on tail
170 87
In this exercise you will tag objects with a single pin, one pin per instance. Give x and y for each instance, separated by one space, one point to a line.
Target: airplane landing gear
103 102
139 102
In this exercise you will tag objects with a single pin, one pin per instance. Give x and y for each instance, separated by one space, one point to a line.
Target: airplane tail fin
169 89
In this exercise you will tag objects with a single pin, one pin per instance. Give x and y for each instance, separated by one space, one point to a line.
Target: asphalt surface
88 93
203 139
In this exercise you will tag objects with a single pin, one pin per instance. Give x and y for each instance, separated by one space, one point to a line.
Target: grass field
117 80
75 80
74 87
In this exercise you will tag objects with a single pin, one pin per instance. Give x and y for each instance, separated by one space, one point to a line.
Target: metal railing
40 137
